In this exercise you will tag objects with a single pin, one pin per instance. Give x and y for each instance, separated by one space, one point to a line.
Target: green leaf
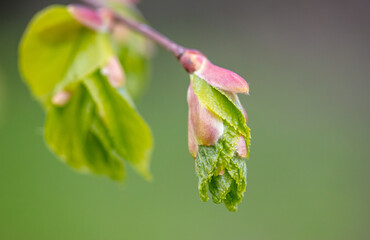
221 171
56 51
99 127
238 171
220 186
75 134
130 134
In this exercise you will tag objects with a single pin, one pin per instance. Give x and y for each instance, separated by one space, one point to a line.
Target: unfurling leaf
222 170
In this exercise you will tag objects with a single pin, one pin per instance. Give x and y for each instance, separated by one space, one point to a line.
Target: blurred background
308 66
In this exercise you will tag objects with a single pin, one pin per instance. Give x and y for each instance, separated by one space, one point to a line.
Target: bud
61 98
97 20
218 135
197 63
114 72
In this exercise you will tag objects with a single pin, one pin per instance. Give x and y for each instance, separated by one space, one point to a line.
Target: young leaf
130 134
221 170
73 132
56 51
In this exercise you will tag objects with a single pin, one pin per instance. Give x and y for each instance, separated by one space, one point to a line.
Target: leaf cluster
99 128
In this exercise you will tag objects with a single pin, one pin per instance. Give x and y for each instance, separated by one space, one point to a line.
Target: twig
145 30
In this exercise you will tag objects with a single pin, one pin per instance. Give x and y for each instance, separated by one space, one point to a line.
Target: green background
307 64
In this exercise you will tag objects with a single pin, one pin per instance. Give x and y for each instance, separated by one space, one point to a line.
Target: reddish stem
145 30
152 34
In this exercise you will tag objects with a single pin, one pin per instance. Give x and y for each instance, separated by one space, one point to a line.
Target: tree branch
152 34
143 29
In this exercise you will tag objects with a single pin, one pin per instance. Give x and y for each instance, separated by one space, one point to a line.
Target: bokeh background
308 66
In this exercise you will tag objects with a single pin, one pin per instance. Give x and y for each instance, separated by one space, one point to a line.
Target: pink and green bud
97 20
114 72
197 63
205 128
217 129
